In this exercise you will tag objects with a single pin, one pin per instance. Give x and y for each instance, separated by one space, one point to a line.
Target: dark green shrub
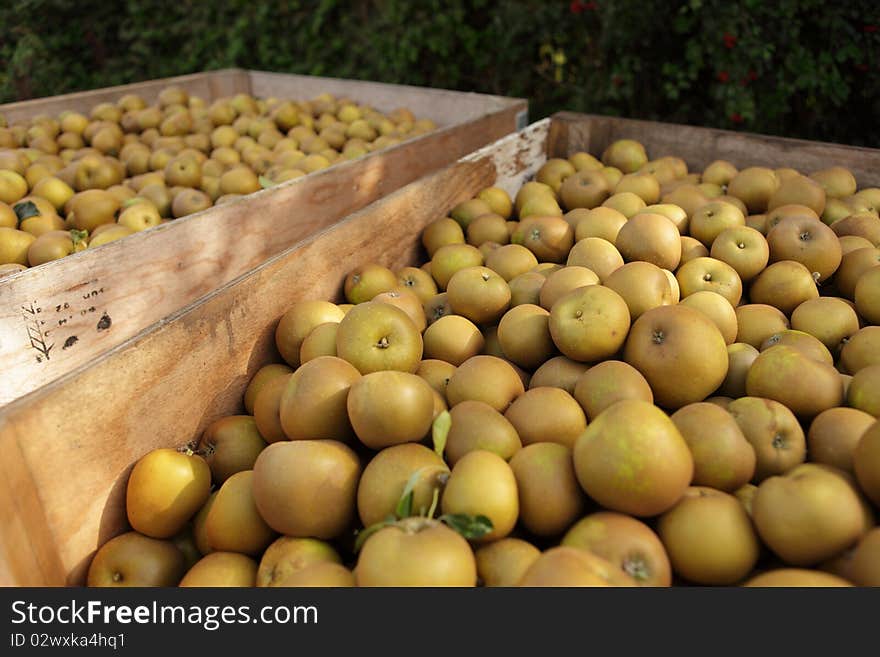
796 67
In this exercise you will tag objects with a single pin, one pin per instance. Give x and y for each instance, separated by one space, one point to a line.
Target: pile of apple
628 374
75 181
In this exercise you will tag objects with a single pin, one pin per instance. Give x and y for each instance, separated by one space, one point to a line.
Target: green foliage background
805 68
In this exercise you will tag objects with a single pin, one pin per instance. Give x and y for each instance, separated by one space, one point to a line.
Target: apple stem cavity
636 568
415 524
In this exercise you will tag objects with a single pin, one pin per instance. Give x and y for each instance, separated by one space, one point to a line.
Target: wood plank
28 555
700 146
64 313
209 85
435 104
558 138
164 386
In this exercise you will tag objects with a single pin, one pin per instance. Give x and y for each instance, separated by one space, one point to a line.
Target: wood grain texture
68 447
63 314
700 146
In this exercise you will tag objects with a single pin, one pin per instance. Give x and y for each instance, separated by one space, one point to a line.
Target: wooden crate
68 447
700 146
63 314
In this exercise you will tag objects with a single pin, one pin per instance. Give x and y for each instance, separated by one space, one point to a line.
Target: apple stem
190 449
434 502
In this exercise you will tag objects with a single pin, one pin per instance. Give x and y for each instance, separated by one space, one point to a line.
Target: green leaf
471 527
265 183
26 210
134 200
78 236
404 505
440 432
366 532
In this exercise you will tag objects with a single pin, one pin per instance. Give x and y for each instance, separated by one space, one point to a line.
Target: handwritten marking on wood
38 336
46 325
